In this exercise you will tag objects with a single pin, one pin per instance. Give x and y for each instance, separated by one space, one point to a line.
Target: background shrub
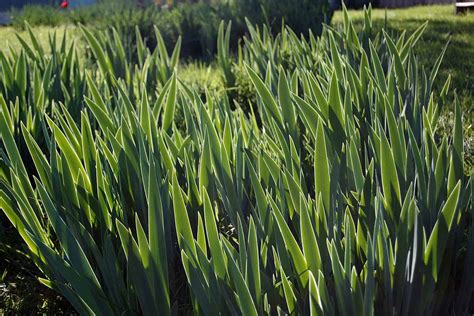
38 15
301 15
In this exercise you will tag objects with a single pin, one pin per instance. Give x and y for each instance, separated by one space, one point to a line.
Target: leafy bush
202 78
98 12
332 197
301 15
38 15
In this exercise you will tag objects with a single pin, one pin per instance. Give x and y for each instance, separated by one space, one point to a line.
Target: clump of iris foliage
329 194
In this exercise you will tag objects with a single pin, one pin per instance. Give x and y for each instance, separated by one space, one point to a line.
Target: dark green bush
95 13
125 19
38 15
300 15
199 26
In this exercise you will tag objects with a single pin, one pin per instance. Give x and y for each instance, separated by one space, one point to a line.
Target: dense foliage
329 195
301 15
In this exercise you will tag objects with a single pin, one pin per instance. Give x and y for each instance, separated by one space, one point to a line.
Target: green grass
8 36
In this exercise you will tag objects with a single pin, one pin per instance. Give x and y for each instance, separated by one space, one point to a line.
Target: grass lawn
8 36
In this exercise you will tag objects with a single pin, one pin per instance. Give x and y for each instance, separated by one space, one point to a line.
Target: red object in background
64 4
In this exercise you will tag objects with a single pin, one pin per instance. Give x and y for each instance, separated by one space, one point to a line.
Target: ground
19 290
